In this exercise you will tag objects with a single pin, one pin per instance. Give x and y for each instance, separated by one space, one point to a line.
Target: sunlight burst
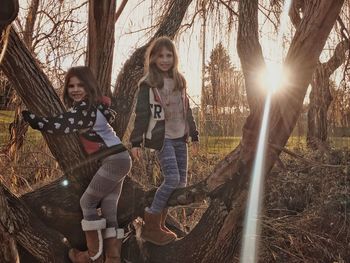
273 77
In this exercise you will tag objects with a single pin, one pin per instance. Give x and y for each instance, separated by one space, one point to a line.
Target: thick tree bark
19 222
321 97
8 250
101 41
250 52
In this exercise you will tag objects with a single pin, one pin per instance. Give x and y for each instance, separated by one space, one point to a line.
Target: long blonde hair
152 74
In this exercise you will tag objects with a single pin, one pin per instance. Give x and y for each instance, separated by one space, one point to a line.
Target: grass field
6 117
226 144
209 144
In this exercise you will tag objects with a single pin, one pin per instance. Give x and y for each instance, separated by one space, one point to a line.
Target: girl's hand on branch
195 148
136 153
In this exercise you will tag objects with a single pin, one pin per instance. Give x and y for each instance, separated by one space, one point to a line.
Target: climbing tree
41 219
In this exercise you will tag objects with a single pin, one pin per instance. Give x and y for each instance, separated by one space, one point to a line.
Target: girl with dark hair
89 115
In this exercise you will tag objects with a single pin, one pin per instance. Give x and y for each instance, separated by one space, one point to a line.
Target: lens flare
273 77
65 182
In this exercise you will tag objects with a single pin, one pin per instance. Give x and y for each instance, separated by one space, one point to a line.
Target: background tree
339 112
223 96
320 96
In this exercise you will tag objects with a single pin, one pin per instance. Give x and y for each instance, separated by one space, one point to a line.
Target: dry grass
307 208
32 167
307 212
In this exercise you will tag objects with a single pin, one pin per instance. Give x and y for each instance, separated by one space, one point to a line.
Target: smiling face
164 60
76 89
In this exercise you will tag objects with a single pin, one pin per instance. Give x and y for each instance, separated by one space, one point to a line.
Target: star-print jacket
92 123
149 125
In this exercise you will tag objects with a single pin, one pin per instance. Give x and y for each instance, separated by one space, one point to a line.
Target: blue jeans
173 161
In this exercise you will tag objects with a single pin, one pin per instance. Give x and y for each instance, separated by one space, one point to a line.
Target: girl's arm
80 117
194 134
142 112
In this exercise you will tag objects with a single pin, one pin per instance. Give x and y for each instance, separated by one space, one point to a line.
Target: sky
135 17
129 36
188 44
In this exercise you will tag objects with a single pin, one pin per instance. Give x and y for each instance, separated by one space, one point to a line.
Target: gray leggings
105 189
173 161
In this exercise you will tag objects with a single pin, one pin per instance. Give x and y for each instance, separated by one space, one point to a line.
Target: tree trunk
101 41
321 97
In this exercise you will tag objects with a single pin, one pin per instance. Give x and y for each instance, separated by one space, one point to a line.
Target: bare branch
120 10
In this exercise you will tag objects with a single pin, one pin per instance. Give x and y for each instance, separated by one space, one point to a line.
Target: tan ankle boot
162 223
152 232
94 243
113 244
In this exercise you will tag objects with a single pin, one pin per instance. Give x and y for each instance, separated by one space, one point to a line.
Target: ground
306 205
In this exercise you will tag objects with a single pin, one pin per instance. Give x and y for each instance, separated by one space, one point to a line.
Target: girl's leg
181 154
108 177
112 235
168 163
109 205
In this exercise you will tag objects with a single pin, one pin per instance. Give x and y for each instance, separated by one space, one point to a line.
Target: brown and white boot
162 223
152 231
94 243
113 244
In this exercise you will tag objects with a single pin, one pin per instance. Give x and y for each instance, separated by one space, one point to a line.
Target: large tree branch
101 41
294 12
249 49
120 10
28 230
30 22
338 57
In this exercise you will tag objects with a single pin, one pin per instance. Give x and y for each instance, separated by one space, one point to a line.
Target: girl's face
164 60
76 89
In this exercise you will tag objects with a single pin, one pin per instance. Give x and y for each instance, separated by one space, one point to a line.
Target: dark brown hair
152 75
84 74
